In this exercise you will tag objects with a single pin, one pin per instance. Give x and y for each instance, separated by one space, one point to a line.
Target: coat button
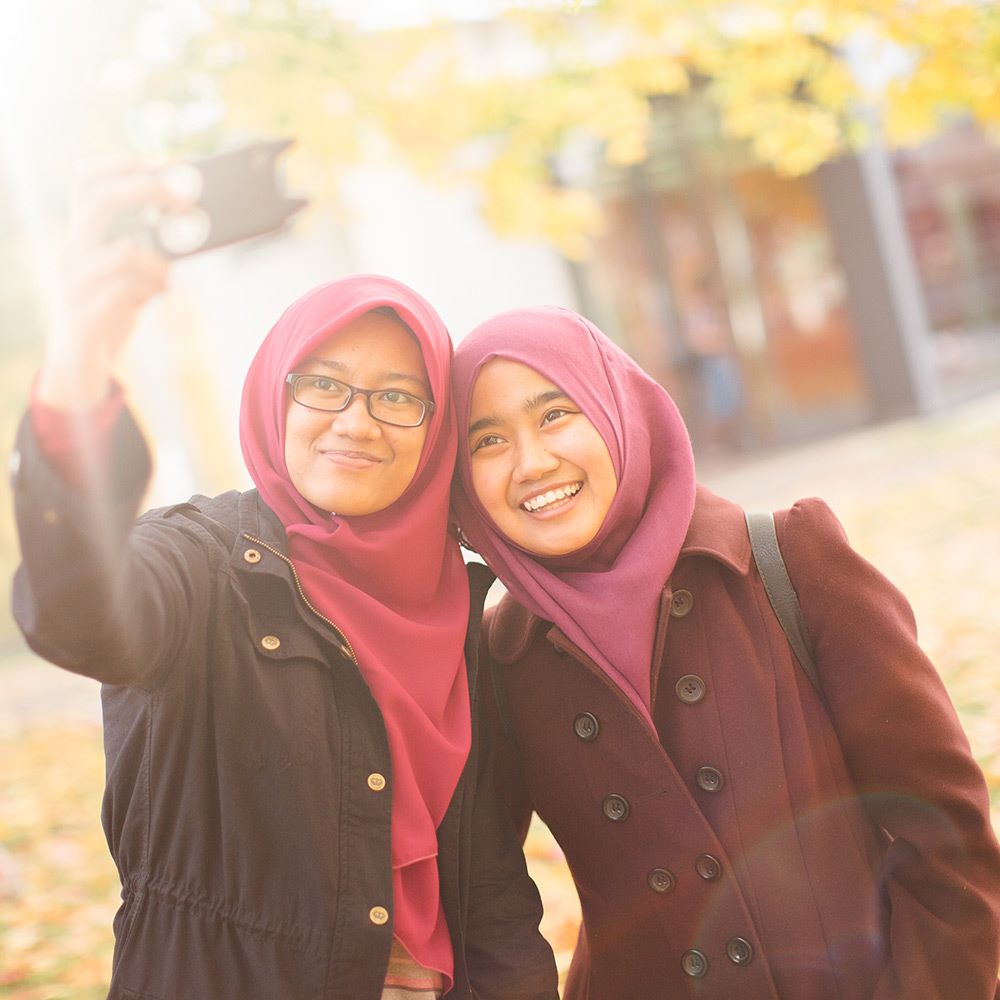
586 726
694 963
376 781
270 643
378 915
709 779
739 951
661 880
251 556
690 689
708 867
50 516
681 603
616 808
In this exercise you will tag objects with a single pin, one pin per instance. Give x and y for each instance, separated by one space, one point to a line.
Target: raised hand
108 274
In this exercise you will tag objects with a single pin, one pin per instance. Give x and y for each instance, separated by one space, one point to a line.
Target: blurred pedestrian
732 829
295 797
719 398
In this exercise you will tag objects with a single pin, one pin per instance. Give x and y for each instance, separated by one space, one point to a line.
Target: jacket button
251 556
376 781
616 808
661 880
739 951
586 726
690 689
50 516
708 867
681 603
694 963
270 643
378 915
709 779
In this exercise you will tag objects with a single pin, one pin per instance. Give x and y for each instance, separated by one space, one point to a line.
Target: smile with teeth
553 496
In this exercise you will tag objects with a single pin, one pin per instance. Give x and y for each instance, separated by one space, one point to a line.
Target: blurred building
776 308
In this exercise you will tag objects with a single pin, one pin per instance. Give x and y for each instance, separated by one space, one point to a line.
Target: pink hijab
393 581
605 597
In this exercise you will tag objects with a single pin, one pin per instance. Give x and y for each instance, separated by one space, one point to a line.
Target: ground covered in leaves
919 499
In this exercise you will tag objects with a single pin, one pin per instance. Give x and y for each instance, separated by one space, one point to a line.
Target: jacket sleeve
508 778
508 959
912 764
507 955
95 594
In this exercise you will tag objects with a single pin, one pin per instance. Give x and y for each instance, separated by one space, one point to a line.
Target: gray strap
780 592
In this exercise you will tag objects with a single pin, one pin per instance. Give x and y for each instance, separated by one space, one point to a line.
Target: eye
555 414
324 384
486 441
396 397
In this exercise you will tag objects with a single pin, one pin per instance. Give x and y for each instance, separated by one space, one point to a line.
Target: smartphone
235 196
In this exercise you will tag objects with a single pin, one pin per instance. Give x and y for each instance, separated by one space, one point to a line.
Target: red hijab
393 581
604 597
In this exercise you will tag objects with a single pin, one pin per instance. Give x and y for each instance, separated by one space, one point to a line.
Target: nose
533 461
354 421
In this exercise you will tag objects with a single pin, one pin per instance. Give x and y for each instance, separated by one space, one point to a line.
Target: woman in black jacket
295 797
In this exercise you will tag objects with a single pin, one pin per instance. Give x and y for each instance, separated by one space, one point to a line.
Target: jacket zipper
302 593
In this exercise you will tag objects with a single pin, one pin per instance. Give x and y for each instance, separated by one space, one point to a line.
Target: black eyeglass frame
292 379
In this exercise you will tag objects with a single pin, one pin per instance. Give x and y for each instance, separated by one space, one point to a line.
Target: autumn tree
495 103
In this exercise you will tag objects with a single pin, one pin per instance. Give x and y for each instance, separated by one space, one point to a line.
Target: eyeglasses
388 406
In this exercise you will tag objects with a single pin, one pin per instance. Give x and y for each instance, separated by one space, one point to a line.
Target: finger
123 256
134 275
114 198
109 312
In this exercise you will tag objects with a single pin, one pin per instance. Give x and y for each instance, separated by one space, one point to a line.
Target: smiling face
348 462
539 467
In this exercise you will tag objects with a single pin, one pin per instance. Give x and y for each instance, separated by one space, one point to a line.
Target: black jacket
245 804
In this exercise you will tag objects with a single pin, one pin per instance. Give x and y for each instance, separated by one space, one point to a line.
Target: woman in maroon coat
732 832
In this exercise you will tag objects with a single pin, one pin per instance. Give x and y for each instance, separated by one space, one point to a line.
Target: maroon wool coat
758 844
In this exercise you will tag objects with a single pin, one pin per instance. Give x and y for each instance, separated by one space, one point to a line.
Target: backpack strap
780 592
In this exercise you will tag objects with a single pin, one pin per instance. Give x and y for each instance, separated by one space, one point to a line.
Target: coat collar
717 530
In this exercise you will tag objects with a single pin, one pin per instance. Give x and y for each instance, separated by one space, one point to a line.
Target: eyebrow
392 377
531 403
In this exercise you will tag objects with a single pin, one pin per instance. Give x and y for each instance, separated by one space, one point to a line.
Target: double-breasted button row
681 603
586 726
694 962
708 867
709 779
662 880
739 951
616 807
690 689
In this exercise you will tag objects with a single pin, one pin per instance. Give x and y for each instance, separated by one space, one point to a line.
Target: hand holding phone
229 197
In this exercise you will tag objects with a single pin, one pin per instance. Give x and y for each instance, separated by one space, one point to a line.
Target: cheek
488 486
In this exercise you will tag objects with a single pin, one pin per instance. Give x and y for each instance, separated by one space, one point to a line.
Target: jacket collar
717 530
255 518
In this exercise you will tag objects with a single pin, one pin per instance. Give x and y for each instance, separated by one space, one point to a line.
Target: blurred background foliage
800 81
502 98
